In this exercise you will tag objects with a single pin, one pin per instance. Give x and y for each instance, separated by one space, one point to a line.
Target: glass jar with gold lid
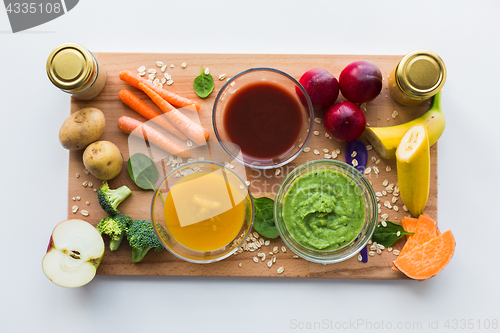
74 69
418 76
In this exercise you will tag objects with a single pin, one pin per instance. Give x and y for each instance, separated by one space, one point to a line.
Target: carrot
141 130
193 131
172 98
144 110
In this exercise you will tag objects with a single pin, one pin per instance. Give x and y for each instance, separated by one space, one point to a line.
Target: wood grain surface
262 182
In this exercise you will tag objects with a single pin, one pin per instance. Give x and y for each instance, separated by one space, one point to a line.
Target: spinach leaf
263 221
387 236
203 84
143 171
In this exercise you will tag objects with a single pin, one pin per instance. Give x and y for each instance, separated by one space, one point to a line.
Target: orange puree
204 211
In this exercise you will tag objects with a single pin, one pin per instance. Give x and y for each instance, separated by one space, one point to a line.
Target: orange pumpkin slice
428 259
425 231
409 224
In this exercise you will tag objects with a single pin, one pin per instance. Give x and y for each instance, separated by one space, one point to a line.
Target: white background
33 166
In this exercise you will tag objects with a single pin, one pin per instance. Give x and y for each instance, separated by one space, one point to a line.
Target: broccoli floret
116 228
142 238
110 199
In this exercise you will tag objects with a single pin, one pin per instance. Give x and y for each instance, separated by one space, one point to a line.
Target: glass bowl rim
195 261
356 248
309 104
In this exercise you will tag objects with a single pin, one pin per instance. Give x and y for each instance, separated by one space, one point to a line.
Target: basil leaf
203 84
263 221
387 236
143 171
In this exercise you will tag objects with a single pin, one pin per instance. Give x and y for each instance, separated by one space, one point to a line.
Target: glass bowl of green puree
325 211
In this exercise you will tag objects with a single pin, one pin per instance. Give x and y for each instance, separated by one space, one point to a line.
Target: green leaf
263 221
387 236
143 171
203 84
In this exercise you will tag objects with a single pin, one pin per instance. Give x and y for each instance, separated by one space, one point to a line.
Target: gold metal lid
421 74
70 66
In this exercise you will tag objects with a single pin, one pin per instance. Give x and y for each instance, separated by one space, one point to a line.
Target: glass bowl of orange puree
202 212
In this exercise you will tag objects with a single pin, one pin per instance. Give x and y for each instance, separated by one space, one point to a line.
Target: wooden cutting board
379 113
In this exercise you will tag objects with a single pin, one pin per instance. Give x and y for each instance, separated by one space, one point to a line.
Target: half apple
75 251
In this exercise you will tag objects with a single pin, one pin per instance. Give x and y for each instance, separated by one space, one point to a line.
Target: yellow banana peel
413 167
385 140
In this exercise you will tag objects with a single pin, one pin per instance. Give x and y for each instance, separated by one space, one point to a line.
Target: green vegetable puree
324 210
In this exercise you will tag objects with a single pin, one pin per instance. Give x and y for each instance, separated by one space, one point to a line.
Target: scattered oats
74 209
360 257
184 64
87 203
159 64
367 170
388 168
328 156
334 155
84 213
354 162
337 151
316 152
255 259
395 252
247 183
316 132
373 158
167 76
396 190
189 143
398 233
371 253
222 77
363 107
151 77
283 249
85 184
394 200
326 151
142 73
384 224
280 270
156 82
384 192
74 199
274 259
256 234
163 68
163 80
369 147
395 208
384 216
152 71
77 175
240 264
379 251
354 153
78 198
380 246
307 149
377 161
373 247
141 69
277 172
95 190
270 263
207 71
172 65
295 257
267 242
388 118
318 120
170 82
275 250
376 170
389 249
300 145
395 113
378 194
231 166
242 187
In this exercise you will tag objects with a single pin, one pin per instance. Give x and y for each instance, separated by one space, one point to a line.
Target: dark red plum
344 121
360 81
321 86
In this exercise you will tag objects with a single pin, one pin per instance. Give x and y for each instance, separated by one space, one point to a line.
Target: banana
385 140
413 163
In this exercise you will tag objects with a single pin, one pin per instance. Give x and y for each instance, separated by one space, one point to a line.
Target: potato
103 160
82 128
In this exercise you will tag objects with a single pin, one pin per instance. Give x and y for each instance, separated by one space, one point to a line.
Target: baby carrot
179 101
144 110
193 131
141 130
